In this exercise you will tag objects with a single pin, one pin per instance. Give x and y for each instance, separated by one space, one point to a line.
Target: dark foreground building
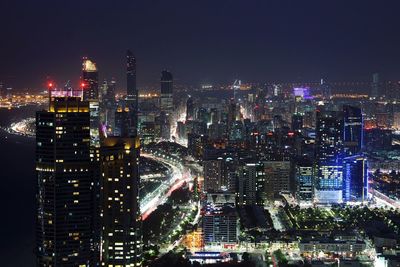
65 215
120 210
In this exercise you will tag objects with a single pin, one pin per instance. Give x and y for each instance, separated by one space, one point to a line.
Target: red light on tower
50 85
83 85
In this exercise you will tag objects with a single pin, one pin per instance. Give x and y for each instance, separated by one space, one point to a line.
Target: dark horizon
199 42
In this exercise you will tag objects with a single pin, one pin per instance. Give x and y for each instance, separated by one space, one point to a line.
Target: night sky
200 41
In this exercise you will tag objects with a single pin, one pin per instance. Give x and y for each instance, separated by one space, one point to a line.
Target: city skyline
212 133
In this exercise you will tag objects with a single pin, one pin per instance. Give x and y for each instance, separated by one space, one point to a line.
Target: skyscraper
122 122
66 219
90 93
353 130
326 90
90 87
121 221
109 105
132 95
277 178
220 225
251 184
329 157
189 109
375 86
355 178
297 122
90 78
166 100
304 180
164 126
212 175
131 89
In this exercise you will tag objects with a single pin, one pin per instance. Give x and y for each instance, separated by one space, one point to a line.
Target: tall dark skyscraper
66 217
353 130
375 86
131 89
326 90
329 157
109 104
166 102
132 96
189 109
120 210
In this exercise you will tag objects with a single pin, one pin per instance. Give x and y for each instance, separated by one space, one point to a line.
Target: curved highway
179 175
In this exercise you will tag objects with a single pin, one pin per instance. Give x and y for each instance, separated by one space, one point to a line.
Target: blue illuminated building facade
341 168
355 178
329 157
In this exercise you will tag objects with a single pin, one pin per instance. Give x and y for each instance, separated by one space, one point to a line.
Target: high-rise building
90 79
66 218
132 96
103 90
120 209
220 225
164 126
131 91
232 110
251 184
109 105
375 86
355 178
329 157
196 145
277 178
229 175
326 90
353 130
9 92
212 175
90 89
90 93
236 131
297 122
124 123
189 109
166 98
304 181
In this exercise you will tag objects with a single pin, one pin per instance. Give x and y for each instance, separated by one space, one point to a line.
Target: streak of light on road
179 175
275 219
384 200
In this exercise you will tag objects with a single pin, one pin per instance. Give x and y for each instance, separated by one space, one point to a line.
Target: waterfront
17 192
